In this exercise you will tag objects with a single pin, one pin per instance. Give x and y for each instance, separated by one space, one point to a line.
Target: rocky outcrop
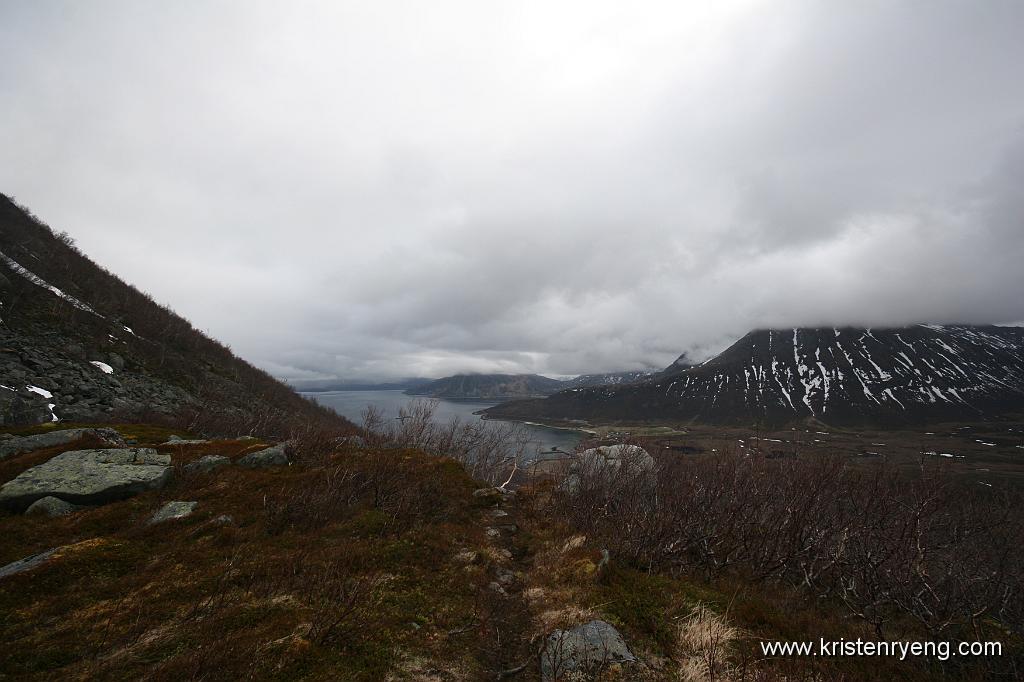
273 456
206 464
584 649
17 446
173 510
77 388
89 477
51 506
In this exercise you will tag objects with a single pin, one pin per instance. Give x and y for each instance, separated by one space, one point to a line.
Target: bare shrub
944 553
489 451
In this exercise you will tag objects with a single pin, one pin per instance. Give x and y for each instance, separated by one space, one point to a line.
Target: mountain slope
79 344
914 374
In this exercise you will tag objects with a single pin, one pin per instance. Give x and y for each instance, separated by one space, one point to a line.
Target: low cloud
376 191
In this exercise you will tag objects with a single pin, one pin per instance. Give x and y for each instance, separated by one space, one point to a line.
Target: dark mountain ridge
79 344
488 386
916 374
513 386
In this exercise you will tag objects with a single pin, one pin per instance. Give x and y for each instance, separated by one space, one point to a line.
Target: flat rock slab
584 649
273 456
182 442
27 563
173 510
16 446
89 477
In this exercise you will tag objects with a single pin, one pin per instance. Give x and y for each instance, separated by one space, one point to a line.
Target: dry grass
705 641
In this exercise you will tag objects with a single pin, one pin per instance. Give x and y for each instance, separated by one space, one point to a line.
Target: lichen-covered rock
17 446
173 510
206 464
50 506
584 649
89 477
489 495
273 456
608 462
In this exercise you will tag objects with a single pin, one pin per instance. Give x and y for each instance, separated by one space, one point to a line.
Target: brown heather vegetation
893 556
374 563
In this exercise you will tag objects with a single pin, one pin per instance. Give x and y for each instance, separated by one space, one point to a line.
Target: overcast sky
382 189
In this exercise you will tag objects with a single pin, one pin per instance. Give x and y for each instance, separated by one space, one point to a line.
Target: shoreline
580 429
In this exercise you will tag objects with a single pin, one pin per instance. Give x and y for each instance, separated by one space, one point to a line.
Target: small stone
50 506
206 464
269 457
584 649
173 510
505 577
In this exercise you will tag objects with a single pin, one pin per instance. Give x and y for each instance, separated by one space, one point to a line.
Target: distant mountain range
923 373
512 386
488 386
322 385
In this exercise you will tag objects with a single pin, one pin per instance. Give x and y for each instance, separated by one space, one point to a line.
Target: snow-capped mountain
607 379
846 375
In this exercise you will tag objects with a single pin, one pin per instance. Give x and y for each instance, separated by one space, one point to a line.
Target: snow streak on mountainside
846 375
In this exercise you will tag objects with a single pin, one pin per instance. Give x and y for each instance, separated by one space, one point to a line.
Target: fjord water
351 404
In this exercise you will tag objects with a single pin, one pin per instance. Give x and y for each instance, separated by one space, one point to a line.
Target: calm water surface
352 403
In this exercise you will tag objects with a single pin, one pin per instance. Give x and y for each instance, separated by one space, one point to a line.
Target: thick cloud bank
376 189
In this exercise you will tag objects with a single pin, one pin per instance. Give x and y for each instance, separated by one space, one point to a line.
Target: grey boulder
16 446
273 456
584 649
89 477
50 506
173 510
206 464
609 463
